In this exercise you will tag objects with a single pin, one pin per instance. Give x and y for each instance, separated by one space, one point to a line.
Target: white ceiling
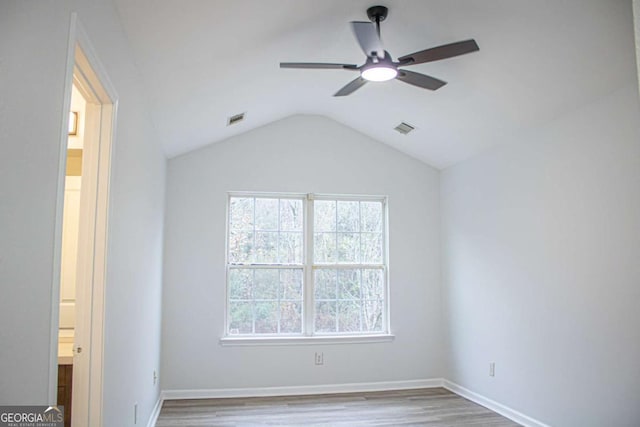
203 61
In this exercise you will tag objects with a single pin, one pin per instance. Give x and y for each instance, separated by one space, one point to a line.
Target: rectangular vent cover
235 119
404 128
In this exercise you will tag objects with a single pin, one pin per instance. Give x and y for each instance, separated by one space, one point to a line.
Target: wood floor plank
432 407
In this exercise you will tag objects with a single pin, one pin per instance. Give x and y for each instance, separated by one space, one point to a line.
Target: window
306 265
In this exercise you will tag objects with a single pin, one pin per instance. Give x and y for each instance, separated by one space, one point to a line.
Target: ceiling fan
379 66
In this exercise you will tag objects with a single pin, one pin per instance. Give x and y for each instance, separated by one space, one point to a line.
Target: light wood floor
420 407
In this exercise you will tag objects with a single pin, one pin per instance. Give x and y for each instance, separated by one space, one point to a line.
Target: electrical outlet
155 377
492 369
319 358
135 413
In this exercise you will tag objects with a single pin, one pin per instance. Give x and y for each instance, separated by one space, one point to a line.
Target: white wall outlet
135 413
319 358
155 377
492 369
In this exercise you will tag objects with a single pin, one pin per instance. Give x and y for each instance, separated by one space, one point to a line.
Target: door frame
85 69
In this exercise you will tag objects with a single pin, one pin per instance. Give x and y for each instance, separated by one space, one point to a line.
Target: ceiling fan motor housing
377 13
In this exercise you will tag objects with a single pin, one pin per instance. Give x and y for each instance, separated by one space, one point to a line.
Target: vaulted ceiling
202 61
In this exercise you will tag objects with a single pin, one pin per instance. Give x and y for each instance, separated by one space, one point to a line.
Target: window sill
229 341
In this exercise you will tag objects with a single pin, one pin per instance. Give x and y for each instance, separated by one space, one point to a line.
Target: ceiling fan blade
420 80
351 87
440 52
368 38
318 65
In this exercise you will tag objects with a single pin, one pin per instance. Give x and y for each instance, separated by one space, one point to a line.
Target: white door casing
86 72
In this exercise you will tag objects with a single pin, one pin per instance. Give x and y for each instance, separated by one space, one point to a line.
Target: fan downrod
377 13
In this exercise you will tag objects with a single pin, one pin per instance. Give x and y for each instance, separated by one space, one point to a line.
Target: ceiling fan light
380 73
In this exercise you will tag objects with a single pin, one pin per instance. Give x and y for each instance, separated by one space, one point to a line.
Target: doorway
83 198
69 258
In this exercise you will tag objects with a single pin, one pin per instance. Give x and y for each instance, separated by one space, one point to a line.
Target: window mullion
308 268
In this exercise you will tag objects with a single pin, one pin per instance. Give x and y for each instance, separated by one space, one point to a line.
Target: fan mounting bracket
377 13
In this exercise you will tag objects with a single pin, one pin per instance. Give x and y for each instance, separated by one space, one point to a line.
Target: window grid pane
348 300
356 236
265 301
256 233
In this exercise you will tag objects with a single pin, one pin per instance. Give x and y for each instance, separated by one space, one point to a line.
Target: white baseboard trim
501 409
155 413
301 390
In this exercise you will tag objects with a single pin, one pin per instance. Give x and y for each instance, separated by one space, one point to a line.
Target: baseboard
501 409
300 390
155 412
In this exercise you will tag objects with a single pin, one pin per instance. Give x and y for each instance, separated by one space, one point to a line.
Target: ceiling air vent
404 128
235 119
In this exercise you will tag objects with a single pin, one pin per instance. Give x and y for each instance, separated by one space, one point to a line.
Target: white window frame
308 336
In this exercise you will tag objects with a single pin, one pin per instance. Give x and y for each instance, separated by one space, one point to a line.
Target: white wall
541 271
33 52
297 154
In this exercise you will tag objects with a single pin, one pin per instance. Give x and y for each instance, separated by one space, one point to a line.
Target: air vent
404 128
235 119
